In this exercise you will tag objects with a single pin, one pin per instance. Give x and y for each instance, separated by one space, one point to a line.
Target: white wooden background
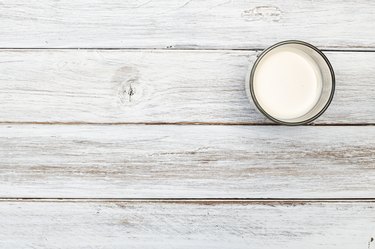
125 124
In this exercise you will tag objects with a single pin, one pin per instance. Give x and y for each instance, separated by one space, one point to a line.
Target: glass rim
260 57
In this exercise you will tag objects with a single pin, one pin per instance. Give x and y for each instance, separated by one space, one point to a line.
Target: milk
287 83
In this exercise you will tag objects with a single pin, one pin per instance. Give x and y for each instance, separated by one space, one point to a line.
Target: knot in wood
129 90
266 13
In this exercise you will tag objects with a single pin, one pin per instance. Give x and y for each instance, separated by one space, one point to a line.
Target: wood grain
185 24
186 225
97 149
187 161
148 86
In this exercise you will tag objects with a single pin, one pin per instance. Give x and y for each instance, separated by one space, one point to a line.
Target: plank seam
349 50
178 123
191 200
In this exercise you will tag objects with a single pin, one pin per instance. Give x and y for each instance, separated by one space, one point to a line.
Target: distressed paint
190 161
191 224
148 86
238 24
135 78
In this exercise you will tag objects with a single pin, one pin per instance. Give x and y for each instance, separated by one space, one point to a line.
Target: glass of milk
291 82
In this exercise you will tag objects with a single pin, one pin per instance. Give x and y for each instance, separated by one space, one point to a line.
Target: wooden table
125 124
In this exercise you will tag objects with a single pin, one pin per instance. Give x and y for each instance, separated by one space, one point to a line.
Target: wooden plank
186 225
197 161
185 23
106 86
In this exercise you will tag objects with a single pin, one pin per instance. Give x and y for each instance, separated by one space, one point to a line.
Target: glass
327 82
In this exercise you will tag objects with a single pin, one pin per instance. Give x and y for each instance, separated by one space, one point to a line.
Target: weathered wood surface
131 83
185 23
140 161
186 225
105 86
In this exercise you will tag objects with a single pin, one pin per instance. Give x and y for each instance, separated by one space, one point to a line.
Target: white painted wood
185 23
186 225
179 161
105 86
140 161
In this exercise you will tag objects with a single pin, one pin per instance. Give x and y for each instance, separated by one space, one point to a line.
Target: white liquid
287 83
